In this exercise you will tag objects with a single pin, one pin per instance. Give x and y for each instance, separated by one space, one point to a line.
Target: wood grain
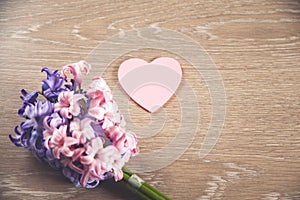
255 46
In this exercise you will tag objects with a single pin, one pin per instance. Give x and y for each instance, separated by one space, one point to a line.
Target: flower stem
142 188
142 195
83 104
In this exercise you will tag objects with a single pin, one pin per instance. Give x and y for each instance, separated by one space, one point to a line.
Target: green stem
143 196
142 188
162 195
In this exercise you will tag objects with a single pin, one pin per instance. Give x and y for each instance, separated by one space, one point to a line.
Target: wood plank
255 46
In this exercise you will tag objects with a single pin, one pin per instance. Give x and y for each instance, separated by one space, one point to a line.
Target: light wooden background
255 45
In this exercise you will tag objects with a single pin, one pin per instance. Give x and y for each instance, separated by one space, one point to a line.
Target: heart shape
152 84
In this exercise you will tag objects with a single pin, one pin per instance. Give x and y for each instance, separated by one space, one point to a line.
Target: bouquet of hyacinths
80 132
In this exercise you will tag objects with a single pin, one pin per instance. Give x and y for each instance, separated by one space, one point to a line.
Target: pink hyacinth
61 143
108 121
113 117
68 104
101 97
112 161
48 132
126 142
75 69
69 162
91 162
123 141
95 110
99 91
82 128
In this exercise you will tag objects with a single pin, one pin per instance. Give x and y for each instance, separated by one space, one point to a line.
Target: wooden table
255 47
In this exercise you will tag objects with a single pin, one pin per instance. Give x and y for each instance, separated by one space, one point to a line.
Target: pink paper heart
152 84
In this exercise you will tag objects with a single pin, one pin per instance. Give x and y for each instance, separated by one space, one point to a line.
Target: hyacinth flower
80 132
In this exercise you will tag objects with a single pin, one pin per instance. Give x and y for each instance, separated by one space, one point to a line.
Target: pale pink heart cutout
152 84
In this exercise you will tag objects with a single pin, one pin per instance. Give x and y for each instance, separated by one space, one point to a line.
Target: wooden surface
255 46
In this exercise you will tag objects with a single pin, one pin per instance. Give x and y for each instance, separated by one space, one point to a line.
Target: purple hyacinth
22 136
52 85
36 145
73 176
35 115
29 134
29 99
